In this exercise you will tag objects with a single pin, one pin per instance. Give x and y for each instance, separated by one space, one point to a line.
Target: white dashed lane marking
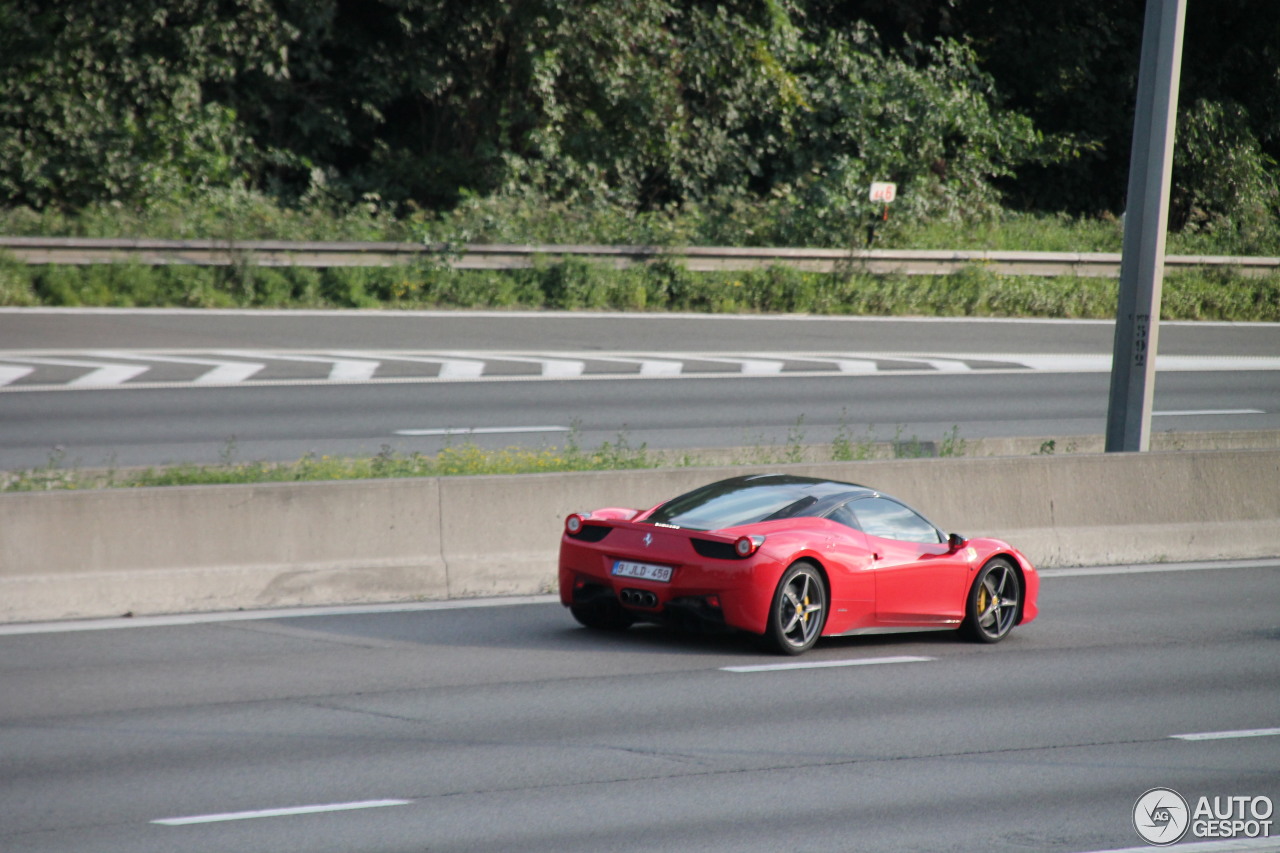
513 430
823 664
1241 733
285 812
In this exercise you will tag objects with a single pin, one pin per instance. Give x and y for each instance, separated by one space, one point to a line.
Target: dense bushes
746 122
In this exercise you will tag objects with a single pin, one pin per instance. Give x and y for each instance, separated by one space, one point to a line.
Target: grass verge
469 459
576 284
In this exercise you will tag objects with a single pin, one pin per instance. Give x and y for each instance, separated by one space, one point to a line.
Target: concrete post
1146 217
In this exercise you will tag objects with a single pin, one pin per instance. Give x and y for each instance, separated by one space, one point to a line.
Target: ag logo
1161 817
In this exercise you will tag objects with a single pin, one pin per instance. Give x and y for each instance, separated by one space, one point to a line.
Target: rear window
731 503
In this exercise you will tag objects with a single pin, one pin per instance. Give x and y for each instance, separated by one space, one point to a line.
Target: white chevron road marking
450 368
9 373
231 367
99 375
223 373
553 366
343 370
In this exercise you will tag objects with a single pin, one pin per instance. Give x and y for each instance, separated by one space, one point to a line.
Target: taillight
573 524
747 545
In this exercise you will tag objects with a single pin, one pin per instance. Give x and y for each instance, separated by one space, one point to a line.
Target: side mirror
955 541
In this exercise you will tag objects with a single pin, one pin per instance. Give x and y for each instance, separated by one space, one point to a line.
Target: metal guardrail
279 253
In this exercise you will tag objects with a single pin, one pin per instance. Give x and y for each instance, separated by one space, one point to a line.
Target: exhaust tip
638 598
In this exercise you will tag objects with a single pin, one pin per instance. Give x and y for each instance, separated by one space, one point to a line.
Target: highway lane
143 427
61 328
509 728
982 378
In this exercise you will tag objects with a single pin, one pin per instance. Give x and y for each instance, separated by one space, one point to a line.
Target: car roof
816 486
753 498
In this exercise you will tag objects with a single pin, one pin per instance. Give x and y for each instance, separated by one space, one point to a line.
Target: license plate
643 571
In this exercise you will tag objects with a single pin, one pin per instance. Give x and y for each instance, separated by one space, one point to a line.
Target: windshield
743 500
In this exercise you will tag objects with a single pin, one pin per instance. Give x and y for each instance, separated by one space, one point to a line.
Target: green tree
103 100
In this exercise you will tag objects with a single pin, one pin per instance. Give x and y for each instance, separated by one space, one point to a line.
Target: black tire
603 614
798 611
995 602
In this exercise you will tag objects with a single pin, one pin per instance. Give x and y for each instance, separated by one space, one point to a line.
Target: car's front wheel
994 602
798 611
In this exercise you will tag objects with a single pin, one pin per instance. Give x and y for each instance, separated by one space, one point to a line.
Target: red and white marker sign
884 192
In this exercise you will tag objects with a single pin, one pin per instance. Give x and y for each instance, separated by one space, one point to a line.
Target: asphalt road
510 728
59 328
415 382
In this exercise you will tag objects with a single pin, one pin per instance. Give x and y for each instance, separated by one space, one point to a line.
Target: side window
891 520
845 516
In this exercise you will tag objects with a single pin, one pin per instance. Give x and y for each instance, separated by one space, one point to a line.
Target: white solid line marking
1195 363
1189 412
1082 363
1096 363
1155 568
1228 735
297 810
182 619
482 430
823 664
1233 845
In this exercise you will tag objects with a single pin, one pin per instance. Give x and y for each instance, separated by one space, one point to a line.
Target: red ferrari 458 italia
790 559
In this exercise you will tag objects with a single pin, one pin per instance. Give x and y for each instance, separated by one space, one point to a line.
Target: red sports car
790 559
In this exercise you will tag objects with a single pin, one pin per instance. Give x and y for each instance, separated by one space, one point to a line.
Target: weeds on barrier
662 285
464 459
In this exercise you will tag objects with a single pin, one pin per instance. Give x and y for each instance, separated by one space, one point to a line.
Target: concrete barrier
73 554
105 553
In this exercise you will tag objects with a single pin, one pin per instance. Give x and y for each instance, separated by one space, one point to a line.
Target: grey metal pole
1133 365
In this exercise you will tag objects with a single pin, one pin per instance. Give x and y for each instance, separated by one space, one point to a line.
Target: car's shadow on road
550 628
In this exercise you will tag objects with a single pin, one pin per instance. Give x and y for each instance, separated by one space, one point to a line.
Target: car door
851 570
919 580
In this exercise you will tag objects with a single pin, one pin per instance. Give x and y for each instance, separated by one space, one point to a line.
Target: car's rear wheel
995 602
603 614
798 611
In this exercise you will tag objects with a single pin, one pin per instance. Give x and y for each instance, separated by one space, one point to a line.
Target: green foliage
930 123
1218 294
643 106
663 122
468 459
1226 185
15 283
105 101
455 460
662 285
